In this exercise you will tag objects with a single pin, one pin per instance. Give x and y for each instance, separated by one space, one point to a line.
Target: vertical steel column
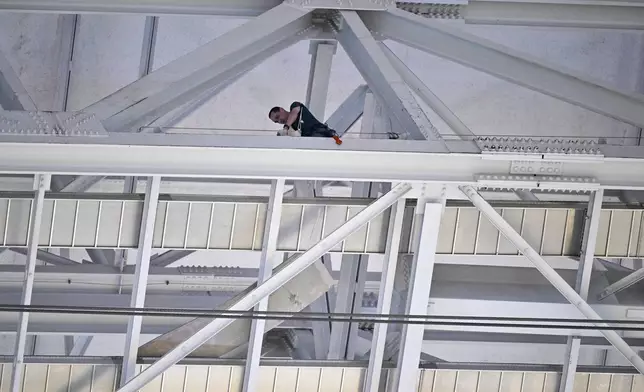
552 276
319 75
66 37
146 236
352 274
149 44
589 240
353 269
428 215
372 379
41 185
265 289
269 248
316 96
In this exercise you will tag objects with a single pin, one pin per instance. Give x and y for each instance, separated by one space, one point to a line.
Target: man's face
279 116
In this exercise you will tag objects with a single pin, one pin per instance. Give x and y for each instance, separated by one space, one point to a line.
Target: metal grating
204 225
204 378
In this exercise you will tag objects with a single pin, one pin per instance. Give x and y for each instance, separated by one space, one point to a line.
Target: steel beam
149 44
272 284
195 75
47 257
427 95
13 95
169 257
198 71
582 285
428 215
146 236
589 14
101 256
175 116
374 370
383 80
239 8
349 111
320 72
269 157
353 269
267 259
322 53
41 185
514 66
622 284
79 346
551 275
65 37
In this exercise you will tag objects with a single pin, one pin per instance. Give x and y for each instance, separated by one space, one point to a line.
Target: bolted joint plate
50 124
547 183
354 5
529 145
539 168
433 10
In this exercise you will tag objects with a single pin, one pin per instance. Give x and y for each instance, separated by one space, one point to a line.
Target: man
299 121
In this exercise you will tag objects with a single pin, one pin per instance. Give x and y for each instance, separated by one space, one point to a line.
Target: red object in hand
337 139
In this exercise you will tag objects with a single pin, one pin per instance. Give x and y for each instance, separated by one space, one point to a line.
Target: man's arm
292 117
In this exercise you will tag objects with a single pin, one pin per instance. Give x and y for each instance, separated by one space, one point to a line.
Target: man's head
278 115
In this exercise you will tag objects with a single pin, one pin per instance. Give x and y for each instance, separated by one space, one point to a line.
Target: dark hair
273 110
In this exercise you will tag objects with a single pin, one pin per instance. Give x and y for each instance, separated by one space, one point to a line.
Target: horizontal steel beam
553 13
570 13
244 8
268 157
589 14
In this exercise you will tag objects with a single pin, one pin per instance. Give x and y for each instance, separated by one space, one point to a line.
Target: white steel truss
270 285
166 95
567 13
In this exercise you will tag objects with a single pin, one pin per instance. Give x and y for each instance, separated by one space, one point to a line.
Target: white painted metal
353 269
551 230
622 284
80 346
47 257
426 94
146 237
267 258
454 44
41 185
50 123
586 260
322 54
428 217
187 76
65 36
240 8
374 371
227 378
383 79
149 44
13 95
349 111
321 59
268 157
551 275
273 283
591 14
169 257
197 73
